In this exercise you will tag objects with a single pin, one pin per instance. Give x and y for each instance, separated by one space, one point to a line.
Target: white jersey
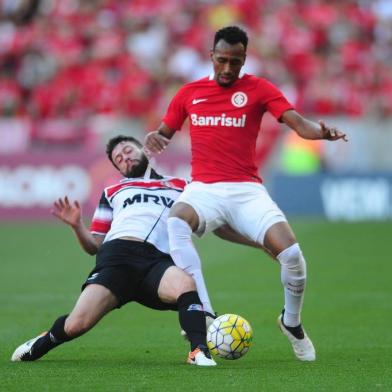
139 208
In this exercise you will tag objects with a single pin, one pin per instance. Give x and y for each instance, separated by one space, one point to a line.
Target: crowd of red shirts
81 58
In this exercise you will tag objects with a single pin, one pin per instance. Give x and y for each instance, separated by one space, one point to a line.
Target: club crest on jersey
239 99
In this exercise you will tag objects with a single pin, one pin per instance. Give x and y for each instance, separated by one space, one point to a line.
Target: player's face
227 61
129 159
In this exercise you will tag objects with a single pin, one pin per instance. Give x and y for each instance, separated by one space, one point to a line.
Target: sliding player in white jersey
128 234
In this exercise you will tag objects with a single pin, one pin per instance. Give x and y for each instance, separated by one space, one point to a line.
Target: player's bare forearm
227 233
308 129
87 241
156 141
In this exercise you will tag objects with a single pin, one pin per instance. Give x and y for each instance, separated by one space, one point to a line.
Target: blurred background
74 73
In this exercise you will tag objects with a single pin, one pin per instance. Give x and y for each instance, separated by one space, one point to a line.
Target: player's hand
331 133
71 214
155 143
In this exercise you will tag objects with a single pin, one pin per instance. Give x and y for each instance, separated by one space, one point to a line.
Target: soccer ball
229 336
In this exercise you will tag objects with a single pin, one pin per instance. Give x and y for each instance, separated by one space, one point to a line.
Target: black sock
55 336
192 318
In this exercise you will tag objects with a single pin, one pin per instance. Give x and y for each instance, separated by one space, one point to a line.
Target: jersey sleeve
102 218
176 112
273 99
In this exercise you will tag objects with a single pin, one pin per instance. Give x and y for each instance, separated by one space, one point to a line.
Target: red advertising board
30 183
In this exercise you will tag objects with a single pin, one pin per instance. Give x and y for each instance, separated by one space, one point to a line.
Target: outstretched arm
227 233
156 141
311 130
71 214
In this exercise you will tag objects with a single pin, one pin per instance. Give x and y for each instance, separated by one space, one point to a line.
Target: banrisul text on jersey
222 120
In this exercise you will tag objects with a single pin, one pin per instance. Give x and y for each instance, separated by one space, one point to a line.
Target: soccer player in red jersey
225 111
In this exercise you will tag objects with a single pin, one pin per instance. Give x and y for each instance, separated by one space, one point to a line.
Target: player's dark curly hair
112 143
232 35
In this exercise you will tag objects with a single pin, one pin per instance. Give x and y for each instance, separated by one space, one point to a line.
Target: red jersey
224 125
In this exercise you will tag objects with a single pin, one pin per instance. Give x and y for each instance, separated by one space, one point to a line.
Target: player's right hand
71 214
155 143
331 133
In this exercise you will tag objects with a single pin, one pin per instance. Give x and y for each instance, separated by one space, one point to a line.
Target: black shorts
132 271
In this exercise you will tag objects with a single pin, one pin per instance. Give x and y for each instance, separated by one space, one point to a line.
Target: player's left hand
155 143
69 213
331 133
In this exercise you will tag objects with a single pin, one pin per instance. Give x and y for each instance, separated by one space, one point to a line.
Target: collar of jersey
126 179
142 179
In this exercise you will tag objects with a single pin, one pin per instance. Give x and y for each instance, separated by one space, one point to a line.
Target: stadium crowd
76 59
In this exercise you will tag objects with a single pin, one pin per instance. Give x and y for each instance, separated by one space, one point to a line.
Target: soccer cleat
200 356
302 345
23 352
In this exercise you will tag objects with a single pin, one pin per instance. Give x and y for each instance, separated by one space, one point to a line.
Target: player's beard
139 169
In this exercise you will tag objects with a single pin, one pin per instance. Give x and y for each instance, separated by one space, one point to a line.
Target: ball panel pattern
229 336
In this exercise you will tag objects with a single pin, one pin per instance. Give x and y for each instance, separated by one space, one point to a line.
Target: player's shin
52 339
192 318
186 257
293 276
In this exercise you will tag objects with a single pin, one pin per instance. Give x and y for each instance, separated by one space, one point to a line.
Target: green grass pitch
347 313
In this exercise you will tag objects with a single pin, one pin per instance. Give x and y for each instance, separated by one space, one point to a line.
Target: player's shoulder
263 82
202 82
177 183
253 79
109 190
161 182
189 88
262 86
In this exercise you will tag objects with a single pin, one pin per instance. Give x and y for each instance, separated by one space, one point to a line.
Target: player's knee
174 283
179 231
185 215
180 239
76 325
182 284
187 284
293 258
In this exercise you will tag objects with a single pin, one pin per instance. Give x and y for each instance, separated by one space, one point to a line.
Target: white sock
293 276
186 257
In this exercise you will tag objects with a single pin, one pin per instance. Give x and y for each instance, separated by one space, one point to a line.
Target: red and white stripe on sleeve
102 218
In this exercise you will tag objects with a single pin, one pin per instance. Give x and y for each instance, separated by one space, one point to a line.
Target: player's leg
178 287
93 303
258 218
280 240
183 221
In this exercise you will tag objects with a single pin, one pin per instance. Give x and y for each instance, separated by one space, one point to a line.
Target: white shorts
245 206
